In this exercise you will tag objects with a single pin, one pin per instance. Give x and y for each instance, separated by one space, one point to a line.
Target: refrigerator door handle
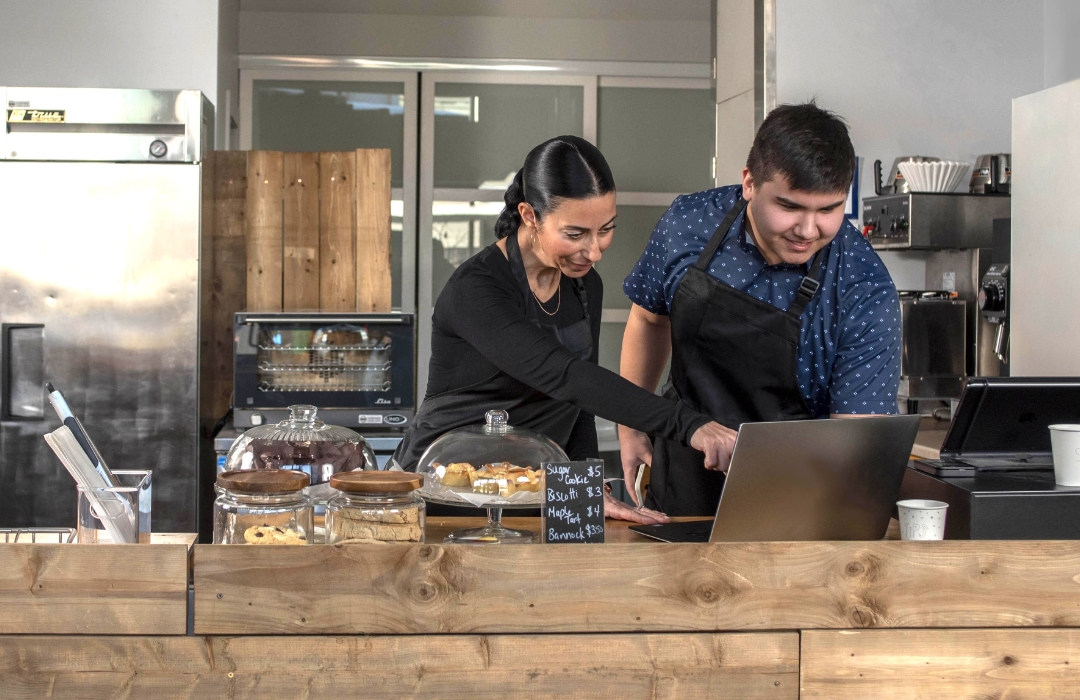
22 374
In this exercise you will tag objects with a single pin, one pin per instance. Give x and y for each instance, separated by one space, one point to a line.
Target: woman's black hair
566 167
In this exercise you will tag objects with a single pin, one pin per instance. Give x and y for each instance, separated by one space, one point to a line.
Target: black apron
733 358
467 405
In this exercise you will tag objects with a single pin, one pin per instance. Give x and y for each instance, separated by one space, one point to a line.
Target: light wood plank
337 231
93 589
264 230
971 663
300 286
403 589
653 667
373 283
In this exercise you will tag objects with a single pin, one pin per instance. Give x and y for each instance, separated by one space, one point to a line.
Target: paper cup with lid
922 519
1065 442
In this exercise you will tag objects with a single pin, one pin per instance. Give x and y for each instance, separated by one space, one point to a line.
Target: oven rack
380 347
315 368
267 387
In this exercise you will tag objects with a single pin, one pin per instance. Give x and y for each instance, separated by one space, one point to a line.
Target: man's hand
618 510
716 442
635 449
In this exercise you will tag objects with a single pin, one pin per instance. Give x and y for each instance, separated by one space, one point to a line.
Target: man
770 303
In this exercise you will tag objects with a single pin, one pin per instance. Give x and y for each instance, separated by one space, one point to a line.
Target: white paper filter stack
936 176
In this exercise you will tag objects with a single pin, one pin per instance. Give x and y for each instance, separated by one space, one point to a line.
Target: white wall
598 30
1044 285
1061 27
227 100
919 77
157 44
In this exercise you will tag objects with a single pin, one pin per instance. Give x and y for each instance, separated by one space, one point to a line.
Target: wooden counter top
629 619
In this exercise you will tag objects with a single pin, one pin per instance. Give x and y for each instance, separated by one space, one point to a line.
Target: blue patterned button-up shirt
849 349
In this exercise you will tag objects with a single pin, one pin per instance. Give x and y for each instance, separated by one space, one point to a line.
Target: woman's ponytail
509 218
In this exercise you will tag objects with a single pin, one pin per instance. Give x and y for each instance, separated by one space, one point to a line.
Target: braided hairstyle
566 167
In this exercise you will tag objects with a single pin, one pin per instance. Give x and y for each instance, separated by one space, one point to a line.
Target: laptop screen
1010 415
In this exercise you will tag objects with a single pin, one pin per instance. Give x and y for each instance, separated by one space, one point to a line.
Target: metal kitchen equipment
992 174
934 345
932 220
100 194
357 369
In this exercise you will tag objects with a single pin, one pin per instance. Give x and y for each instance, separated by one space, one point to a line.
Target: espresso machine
953 232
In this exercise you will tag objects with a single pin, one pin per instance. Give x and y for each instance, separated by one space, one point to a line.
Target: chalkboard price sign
573 502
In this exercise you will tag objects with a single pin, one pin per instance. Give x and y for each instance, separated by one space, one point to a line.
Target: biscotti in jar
375 506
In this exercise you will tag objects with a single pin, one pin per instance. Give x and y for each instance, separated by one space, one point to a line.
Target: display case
302 443
492 466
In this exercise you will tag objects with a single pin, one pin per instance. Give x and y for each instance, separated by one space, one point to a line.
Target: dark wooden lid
263 480
376 482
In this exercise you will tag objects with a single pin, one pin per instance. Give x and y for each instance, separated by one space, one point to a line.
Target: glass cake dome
304 444
491 466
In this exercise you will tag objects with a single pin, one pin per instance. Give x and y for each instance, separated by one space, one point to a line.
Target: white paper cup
1065 440
922 520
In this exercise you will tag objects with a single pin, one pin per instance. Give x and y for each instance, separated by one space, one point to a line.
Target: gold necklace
541 304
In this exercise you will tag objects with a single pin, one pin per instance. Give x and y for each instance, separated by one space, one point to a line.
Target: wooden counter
628 619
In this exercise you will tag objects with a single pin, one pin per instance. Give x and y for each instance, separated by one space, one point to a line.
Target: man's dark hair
808 145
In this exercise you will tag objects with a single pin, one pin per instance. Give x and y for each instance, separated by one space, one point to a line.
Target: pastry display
493 465
270 534
501 479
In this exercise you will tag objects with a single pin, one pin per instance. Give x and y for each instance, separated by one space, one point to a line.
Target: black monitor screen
1011 415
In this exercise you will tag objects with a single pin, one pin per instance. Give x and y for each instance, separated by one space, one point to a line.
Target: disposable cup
922 520
1065 441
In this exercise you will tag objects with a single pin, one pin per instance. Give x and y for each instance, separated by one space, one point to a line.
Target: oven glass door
332 362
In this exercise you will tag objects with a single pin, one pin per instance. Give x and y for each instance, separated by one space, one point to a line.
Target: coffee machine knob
992 297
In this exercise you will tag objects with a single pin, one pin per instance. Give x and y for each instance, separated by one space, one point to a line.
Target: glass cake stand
493 466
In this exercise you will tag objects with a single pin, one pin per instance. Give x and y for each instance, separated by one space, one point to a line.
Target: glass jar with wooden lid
263 506
375 507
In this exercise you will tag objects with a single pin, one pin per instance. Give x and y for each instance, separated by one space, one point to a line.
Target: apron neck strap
809 285
718 236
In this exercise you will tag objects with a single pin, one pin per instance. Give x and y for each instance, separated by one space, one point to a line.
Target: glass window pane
324 115
397 225
633 227
658 139
483 132
459 230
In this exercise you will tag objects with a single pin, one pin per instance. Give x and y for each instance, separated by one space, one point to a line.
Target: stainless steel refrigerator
100 205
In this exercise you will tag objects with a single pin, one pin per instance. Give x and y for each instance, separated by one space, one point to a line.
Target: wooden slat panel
373 284
300 287
653 667
630 587
93 589
264 231
229 275
973 663
207 331
337 231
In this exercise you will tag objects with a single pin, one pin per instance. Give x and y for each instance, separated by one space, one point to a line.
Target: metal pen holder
131 497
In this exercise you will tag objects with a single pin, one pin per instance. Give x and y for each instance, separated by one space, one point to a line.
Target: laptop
833 479
1001 424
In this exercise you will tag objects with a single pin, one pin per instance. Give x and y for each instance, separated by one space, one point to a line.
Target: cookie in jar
263 507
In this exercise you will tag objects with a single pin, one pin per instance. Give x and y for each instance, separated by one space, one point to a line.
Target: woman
517 326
